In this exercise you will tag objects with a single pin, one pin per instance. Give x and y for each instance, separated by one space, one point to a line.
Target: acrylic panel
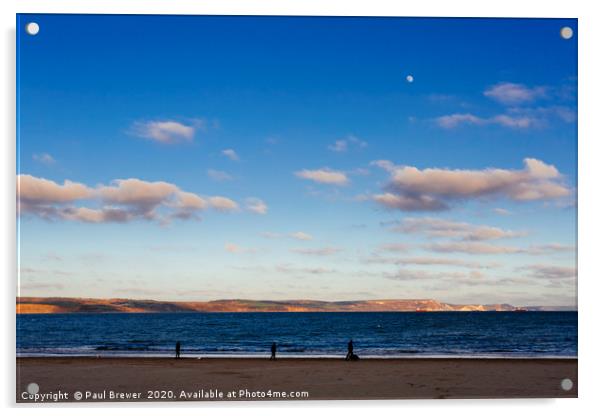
295 208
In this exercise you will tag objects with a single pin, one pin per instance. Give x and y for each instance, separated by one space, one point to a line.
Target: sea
308 334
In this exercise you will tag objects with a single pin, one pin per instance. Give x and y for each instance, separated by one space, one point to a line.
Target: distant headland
40 305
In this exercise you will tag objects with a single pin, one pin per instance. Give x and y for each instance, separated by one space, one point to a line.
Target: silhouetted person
178 349
273 357
349 350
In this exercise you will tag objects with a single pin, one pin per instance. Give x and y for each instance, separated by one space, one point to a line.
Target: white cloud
471 248
431 189
429 261
360 172
166 131
405 274
295 270
544 114
453 120
520 122
467 278
394 247
514 121
231 154
188 206
121 201
342 145
219 175
543 271
437 227
410 202
339 146
516 115
502 211
42 286
47 272
232 248
106 214
509 93
33 190
44 158
221 203
384 164
237 249
324 251
257 206
188 200
550 248
324 175
143 196
300 235
478 247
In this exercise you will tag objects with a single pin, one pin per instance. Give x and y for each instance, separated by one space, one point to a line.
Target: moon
410 78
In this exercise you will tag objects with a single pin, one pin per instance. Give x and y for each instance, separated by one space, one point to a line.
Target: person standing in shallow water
349 349
178 349
273 356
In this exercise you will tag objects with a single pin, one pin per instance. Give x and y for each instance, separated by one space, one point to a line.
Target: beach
143 379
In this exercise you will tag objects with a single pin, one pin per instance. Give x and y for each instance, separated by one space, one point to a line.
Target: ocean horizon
301 334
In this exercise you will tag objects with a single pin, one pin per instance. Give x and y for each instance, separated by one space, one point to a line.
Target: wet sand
143 379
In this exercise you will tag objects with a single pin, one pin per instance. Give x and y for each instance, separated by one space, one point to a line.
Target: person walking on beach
178 349
273 357
349 350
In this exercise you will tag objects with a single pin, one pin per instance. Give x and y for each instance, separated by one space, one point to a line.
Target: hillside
82 305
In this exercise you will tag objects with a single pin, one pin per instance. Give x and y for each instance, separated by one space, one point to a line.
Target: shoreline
320 379
301 357
100 312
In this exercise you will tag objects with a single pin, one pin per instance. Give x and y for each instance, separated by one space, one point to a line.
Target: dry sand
320 378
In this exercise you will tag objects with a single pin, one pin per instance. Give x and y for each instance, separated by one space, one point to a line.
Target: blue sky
193 158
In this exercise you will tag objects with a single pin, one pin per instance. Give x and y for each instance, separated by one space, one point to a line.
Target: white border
590 135
471 8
